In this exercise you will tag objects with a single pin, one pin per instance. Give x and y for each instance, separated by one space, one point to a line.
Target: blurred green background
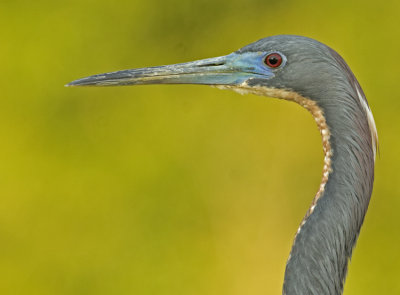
176 189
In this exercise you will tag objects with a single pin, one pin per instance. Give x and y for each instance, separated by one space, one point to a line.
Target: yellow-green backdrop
176 189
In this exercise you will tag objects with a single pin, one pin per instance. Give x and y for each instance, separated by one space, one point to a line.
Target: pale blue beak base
232 69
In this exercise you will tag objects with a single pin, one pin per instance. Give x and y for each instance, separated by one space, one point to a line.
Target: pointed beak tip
78 83
74 83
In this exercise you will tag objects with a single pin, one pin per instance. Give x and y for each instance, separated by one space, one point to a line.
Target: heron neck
324 242
325 239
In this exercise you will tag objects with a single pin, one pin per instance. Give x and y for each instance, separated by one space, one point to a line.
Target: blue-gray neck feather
320 254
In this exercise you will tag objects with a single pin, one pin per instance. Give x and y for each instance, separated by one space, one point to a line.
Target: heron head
279 62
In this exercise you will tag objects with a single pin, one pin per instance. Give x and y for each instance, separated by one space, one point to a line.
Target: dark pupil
273 60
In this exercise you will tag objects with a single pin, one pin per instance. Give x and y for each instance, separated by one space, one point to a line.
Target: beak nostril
211 64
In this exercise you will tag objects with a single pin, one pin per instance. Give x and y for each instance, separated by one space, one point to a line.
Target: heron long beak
232 69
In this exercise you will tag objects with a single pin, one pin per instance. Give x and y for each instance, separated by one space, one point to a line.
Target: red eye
273 60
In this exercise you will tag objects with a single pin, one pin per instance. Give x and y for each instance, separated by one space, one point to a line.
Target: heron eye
273 60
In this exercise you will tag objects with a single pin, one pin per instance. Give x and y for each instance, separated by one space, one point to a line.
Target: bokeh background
176 189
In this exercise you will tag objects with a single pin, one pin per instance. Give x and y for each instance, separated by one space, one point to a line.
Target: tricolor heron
315 76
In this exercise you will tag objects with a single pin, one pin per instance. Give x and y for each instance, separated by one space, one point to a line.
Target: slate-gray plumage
312 74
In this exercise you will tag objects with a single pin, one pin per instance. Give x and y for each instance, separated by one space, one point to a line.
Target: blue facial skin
250 65
232 69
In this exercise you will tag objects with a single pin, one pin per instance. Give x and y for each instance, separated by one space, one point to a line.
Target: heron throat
318 116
